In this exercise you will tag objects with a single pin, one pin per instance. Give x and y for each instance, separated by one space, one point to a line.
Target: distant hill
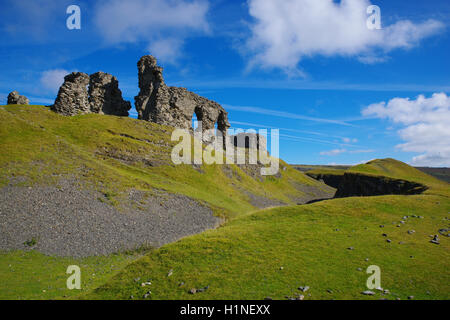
439 173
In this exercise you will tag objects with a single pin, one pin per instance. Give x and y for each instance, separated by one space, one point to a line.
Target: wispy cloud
335 152
288 137
51 80
162 24
306 84
316 133
283 114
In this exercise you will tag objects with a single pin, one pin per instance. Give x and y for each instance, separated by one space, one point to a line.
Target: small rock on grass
203 289
303 289
435 240
194 291
368 293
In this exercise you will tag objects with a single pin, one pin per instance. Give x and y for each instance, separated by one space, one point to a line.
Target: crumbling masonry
174 106
104 95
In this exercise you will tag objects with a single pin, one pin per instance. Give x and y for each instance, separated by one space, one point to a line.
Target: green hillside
114 154
389 168
398 170
271 253
255 254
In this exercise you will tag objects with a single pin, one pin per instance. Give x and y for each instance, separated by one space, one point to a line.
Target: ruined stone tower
104 95
174 106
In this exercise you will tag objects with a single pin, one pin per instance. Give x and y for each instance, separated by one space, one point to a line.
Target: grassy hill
113 155
388 168
272 252
326 245
392 168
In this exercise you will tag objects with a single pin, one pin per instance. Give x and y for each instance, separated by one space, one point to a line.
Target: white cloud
333 152
51 80
163 24
30 20
167 50
349 140
285 32
425 126
336 152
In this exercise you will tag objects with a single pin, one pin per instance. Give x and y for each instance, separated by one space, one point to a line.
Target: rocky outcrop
72 97
103 96
355 184
333 180
174 106
15 98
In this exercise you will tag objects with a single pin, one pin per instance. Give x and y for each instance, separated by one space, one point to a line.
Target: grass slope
114 154
32 275
243 260
392 168
254 255
271 253
110 154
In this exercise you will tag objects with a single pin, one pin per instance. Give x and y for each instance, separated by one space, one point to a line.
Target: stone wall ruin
174 106
103 95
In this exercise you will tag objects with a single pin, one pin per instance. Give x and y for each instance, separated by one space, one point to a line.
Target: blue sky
339 92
